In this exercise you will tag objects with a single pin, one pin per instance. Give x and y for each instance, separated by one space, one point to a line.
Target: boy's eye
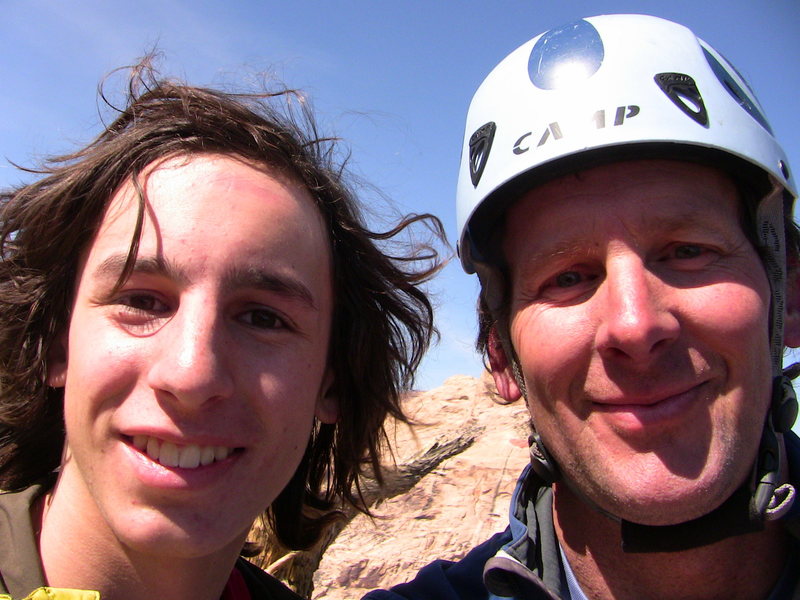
263 319
144 303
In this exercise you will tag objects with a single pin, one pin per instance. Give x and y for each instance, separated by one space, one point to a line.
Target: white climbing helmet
594 87
620 87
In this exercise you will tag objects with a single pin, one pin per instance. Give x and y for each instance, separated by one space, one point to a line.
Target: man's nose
637 320
189 362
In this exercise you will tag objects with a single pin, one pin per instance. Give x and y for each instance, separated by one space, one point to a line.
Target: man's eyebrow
571 244
257 278
555 251
691 219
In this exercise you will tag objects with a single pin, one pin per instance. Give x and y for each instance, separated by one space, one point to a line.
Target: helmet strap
541 461
771 459
727 520
772 242
493 286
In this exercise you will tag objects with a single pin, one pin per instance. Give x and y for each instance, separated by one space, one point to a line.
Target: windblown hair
382 319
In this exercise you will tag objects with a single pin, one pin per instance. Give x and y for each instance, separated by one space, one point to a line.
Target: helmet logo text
554 131
683 92
480 144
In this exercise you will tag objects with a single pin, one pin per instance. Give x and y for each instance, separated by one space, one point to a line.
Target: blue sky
394 79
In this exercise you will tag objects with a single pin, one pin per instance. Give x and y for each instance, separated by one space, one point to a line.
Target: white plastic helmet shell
606 82
611 88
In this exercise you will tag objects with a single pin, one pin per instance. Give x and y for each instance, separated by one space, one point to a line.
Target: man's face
190 392
639 313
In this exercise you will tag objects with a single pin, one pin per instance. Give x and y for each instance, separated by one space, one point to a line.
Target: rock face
448 491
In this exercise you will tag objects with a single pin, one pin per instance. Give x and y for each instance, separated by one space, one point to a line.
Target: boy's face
190 393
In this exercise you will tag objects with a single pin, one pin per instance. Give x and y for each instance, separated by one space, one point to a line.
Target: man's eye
568 279
263 319
685 251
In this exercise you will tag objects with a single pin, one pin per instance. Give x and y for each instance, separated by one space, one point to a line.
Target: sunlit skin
218 338
639 313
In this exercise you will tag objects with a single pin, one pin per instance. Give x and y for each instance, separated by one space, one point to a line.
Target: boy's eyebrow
114 265
253 277
235 277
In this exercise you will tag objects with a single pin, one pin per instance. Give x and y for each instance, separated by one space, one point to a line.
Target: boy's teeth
153 448
190 457
185 457
168 455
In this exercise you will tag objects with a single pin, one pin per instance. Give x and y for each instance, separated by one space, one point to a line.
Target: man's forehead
665 180
667 195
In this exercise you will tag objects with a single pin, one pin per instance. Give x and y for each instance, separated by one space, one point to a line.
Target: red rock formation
449 491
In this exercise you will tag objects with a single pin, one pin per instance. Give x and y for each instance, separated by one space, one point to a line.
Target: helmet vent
736 91
480 144
784 169
566 56
683 92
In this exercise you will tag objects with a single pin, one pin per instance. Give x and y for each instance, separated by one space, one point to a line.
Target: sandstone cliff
448 490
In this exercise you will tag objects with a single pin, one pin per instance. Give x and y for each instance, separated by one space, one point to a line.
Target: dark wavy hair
382 319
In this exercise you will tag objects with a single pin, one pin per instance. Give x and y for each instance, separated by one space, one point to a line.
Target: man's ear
501 367
57 362
791 320
327 409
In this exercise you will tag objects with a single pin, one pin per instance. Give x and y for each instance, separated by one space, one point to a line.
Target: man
628 212
175 301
